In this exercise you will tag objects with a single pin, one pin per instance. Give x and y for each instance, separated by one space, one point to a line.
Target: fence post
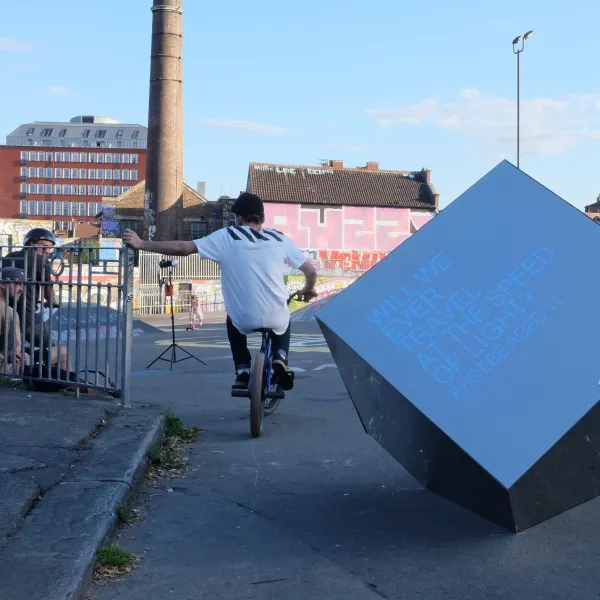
128 257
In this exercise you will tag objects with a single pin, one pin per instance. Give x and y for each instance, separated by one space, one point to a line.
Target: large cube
470 356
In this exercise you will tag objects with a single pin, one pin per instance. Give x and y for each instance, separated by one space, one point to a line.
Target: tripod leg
189 355
159 357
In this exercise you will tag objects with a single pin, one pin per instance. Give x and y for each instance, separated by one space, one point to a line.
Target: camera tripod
174 345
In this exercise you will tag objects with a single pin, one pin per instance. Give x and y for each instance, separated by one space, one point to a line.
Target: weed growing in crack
113 556
126 514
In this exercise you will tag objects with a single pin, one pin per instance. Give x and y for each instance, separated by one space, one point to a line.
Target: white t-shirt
252 282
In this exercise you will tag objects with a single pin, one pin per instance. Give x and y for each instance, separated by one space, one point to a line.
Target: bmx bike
265 395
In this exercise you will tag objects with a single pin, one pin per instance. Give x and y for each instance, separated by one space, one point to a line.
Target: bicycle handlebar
299 296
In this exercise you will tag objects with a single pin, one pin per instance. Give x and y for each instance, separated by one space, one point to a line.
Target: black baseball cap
248 204
12 274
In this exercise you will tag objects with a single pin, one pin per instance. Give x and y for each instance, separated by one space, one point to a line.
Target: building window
23 155
58 173
41 188
48 188
40 207
62 133
32 156
66 173
82 173
65 210
125 174
108 190
66 157
109 158
74 173
92 157
31 172
86 143
23 188
47 142
59 157
197 230
99 190
90 208
109 174
57 189
30 131
31 210
66 190
82 209
83 157
134 174
23 208
23 171
119 133
74 189
134 143
86 133
100 158
126 159
90 190
62 142
41 156
40 172
118 158
119 144
116 174
100 173
30 142
48 208
134 159
135 134
100 134
49 172
82 190
116 190
32 188
57 206
92 173
125 188
49 156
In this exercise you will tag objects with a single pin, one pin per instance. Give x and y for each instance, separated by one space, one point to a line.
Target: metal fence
69 325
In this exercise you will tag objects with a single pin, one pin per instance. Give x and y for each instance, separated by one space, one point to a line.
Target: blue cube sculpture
469 355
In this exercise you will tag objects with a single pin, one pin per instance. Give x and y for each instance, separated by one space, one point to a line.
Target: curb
53 554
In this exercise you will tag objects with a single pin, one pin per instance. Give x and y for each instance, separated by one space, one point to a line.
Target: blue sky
410 85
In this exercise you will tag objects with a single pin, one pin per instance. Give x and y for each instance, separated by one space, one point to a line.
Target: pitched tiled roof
338 186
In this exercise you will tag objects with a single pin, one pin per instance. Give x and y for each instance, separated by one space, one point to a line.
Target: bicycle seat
263 330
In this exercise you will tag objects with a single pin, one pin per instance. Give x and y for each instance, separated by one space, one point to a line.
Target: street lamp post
518 47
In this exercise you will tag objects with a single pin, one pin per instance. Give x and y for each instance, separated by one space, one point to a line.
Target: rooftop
333 184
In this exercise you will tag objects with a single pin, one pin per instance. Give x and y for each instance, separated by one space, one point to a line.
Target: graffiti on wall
350 228
16 230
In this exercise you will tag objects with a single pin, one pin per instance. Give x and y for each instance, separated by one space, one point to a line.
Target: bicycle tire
271 405
257 396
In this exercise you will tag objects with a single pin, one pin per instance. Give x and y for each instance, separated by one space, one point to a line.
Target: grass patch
174 428
166 455
114 557
126 514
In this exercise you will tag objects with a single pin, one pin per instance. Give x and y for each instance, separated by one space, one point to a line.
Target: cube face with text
477 324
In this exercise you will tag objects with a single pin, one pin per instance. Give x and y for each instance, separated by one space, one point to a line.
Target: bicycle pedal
240 393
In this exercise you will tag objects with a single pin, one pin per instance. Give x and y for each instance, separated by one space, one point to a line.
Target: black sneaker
283 376
241 381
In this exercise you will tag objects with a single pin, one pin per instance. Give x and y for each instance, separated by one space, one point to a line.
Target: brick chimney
164 158
201 188
336 164
372 166
426 175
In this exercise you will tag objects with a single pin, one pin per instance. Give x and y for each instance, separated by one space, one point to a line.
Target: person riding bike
252 260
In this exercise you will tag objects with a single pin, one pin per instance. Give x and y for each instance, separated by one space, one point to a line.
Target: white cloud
9 45
251 126
58 90
348 147
548 126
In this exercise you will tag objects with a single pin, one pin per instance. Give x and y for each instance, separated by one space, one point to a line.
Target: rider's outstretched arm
173 248
310 274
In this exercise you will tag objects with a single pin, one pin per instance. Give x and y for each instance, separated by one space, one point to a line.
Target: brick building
348 216
593 210
199 219
61 171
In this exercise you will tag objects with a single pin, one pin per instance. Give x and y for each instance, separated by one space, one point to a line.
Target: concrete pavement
316 509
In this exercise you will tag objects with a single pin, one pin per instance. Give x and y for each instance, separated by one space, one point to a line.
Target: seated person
11 288
34 262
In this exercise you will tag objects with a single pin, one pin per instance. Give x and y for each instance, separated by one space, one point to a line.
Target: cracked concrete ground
316 509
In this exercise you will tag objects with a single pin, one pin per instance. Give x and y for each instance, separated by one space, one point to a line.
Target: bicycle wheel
257 396
271 405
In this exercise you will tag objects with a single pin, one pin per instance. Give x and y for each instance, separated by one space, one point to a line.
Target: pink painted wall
347 228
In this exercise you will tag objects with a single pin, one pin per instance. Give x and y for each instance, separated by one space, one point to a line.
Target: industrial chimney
164 157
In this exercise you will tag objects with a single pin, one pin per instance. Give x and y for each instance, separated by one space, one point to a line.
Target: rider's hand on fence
132 239
306 295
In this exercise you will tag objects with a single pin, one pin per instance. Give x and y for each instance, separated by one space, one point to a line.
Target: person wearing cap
34 262
11 289
252 260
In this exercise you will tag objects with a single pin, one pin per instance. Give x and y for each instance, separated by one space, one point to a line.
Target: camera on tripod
168 263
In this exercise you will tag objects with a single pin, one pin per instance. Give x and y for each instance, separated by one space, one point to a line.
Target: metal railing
69 324
189 268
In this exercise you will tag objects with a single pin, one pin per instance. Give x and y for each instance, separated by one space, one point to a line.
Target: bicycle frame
265 348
